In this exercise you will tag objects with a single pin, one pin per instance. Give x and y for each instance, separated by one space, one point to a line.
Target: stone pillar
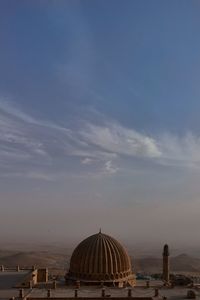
49 293
21 293
2 268
156 293
129 292
54 284
75 293
33 268
166 264
77 284
103 293
30 284
46 274
17 268
147 284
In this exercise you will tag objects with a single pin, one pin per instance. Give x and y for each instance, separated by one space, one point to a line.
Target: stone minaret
166 263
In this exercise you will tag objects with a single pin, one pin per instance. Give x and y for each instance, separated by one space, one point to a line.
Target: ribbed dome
100 258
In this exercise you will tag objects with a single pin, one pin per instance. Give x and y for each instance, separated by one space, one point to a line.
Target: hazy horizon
99 121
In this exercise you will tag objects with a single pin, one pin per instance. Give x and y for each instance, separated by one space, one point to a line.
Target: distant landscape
57 260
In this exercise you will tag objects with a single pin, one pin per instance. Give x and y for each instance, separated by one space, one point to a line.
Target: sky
99 120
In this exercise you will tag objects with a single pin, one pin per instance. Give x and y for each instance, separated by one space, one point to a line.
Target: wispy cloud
16 140
87 161
38 175
166 149
110 168
180 150
9 107
116 139
41 146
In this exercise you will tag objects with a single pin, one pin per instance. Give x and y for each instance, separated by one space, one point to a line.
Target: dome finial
100 230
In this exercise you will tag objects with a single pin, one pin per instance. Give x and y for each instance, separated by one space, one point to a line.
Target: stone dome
100 258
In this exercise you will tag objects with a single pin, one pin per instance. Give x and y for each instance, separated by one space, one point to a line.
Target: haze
99 120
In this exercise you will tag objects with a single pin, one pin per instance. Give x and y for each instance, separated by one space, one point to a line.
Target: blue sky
99 117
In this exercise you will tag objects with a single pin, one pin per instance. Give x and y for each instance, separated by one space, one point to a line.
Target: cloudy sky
99 119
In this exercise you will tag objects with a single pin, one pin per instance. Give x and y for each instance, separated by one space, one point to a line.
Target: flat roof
94 292
9 293
9 279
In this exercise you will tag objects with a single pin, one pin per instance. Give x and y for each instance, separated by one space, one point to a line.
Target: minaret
166 263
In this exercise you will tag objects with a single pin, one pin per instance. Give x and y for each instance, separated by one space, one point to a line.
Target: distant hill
147 265
39 259
59 262
185 263
182 263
